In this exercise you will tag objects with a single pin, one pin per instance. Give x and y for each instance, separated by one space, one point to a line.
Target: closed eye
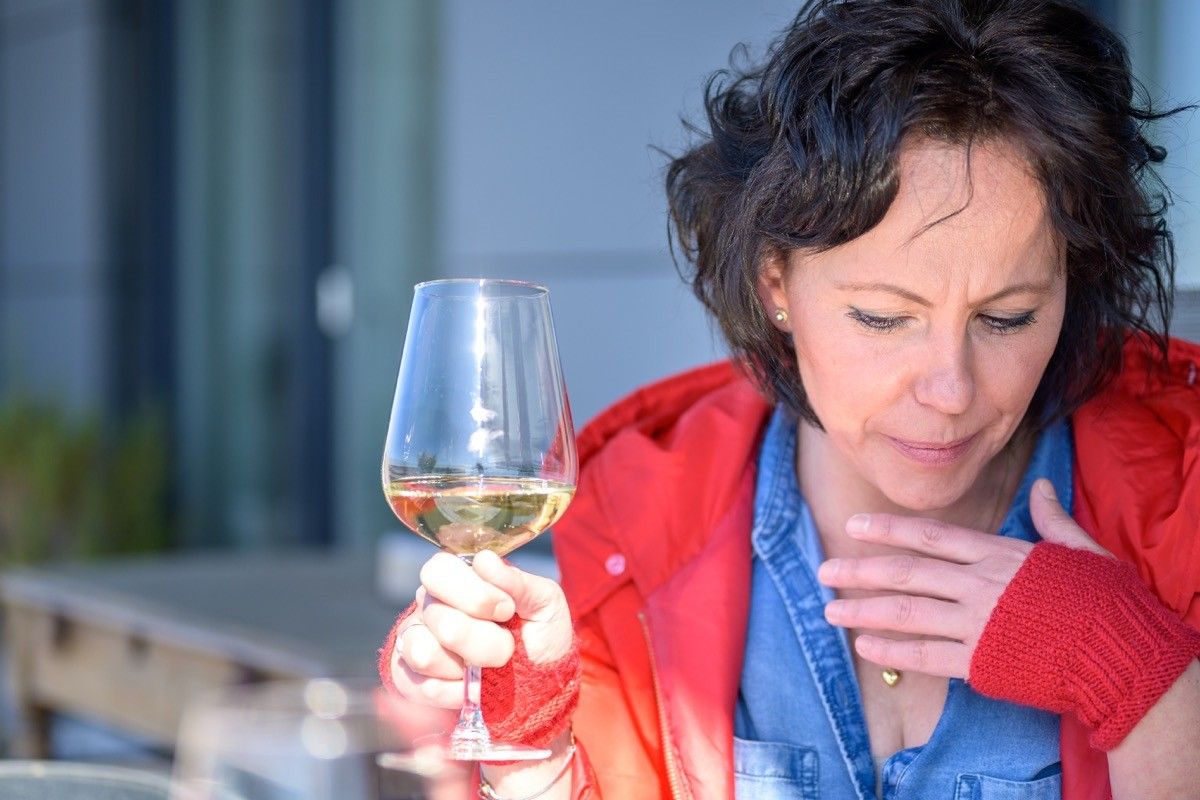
1008 324
876 323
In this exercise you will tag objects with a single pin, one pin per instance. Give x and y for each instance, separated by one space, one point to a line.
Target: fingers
455 583
419 649
944 659
422 688
547 632
474 641
902 572
927 536
1054 523
443 687
903 614
535 597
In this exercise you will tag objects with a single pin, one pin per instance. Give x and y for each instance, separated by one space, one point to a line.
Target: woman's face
920 348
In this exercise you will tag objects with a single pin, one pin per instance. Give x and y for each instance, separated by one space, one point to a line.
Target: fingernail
1047 489
827 570
833 610
858 523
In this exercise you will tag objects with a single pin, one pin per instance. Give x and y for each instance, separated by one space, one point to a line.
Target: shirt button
615 564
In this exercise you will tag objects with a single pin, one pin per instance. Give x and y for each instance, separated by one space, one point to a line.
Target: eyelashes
996 324
1009 324
876 323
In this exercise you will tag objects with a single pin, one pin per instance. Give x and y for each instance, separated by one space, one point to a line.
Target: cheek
848 379
1012 367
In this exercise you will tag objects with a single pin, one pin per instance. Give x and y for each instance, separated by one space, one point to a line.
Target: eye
876 323
1007 324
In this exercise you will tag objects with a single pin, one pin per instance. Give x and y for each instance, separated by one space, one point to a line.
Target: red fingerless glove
1078 631
523 702
527 703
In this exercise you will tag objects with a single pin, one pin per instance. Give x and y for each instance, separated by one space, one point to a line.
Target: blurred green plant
71 487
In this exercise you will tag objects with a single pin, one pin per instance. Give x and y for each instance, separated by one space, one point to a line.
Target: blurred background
212 213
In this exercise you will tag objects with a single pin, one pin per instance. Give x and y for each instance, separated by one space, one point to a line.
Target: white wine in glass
480 450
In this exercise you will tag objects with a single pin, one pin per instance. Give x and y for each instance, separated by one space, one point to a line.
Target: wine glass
322 739
480 450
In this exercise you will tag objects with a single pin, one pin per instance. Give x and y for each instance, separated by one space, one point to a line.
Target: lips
933 453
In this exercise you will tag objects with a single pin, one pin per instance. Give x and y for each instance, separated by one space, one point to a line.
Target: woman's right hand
456 621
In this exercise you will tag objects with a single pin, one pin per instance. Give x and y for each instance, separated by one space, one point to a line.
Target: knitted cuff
1079 631
528 703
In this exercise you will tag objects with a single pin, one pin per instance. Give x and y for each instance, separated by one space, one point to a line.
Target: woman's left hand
942 591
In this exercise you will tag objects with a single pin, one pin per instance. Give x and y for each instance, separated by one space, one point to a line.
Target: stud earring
781 316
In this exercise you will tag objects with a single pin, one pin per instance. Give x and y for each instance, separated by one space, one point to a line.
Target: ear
772 288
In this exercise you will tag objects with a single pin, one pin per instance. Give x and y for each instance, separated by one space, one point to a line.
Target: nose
945 382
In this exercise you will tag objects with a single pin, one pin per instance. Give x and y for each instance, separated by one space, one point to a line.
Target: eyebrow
1016 288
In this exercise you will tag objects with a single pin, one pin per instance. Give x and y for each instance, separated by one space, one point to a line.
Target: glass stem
470 730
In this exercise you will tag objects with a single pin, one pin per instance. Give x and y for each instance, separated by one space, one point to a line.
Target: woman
937 536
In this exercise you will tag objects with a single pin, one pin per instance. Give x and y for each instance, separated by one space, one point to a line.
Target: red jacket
655 561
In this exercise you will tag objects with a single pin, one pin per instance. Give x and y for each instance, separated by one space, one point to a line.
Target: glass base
495 751
429 751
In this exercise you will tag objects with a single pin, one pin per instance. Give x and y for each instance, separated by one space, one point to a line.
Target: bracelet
486 792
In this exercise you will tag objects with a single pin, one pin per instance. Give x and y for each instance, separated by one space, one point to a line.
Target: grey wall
1178 78
1161 35
53 313
546 172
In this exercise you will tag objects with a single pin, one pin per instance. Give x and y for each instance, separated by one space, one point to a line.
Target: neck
835 491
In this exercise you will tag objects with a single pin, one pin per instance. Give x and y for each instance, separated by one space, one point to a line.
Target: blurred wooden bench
128 644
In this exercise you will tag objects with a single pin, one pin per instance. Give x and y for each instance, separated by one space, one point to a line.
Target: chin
923 497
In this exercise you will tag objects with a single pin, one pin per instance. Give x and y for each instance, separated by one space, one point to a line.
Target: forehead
976 213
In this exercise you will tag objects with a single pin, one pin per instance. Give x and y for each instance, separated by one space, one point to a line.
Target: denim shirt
799 727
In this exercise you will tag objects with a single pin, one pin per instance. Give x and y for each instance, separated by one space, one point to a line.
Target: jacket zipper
677 785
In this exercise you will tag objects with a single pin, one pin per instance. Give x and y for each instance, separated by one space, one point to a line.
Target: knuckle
900 569
906 610
976 585
450 631
431 615
933 532
490 604
886 523
419 658
920 650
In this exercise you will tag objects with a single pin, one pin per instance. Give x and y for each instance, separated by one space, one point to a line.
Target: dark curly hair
801 152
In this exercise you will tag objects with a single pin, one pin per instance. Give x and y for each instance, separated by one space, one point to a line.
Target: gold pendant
891 676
